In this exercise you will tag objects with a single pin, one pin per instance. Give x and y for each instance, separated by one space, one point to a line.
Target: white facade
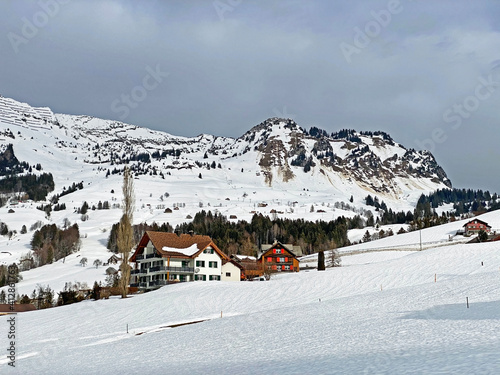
230 272
208 266
175 264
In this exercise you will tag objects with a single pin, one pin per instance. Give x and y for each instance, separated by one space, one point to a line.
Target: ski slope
402 314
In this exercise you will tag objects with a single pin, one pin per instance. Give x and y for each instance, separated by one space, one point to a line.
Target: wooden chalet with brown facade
250 268
162 258
278 258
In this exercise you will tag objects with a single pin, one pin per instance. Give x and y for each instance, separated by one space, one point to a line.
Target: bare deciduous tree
335 259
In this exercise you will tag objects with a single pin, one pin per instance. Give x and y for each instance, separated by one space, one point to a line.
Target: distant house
114 259
16 308
475 226
279 258
162 258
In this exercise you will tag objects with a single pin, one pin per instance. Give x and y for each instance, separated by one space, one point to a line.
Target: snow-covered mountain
277 154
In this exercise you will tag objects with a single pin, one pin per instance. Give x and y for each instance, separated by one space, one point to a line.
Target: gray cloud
230 72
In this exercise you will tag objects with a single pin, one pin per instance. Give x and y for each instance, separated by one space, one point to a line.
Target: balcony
147 256
163 269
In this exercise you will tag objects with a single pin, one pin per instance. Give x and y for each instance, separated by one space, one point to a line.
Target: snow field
333 322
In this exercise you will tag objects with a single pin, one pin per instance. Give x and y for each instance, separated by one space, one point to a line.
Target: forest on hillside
244 237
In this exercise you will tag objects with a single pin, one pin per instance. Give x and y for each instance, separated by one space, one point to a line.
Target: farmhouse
250 268
279 258
474 226
162 258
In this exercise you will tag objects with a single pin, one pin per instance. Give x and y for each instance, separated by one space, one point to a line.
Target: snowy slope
83 149
372 316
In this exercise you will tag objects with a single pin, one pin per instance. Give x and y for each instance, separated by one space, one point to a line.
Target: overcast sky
426 72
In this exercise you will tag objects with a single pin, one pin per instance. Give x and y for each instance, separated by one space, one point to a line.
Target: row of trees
51 243
464 201
35 186
13 276
244 237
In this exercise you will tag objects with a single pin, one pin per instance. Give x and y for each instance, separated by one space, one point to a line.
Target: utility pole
420 227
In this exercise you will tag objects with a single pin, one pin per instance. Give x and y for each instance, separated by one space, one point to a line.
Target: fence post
467 298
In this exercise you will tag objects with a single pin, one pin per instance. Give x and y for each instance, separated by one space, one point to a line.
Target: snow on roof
188 251
244 257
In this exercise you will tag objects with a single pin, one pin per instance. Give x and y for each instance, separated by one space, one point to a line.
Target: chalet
279 258
475 226
114 259
162 258
250 268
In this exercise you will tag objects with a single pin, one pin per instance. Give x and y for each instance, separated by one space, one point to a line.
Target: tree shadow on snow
459 311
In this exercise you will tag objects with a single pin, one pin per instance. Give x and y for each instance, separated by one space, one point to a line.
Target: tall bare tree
125 240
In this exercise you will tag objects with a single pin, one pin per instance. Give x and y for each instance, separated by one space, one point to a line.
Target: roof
275 245
243 258
5 308
478 221
225 261
176 246
295 249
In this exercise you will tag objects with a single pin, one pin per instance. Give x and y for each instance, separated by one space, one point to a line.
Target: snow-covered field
390 309
376 315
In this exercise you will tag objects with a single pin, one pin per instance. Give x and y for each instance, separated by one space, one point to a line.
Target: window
212 264
208 251
200 277
200 263
228 274
269 259
214 278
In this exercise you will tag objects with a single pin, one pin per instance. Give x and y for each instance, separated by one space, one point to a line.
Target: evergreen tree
321 261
